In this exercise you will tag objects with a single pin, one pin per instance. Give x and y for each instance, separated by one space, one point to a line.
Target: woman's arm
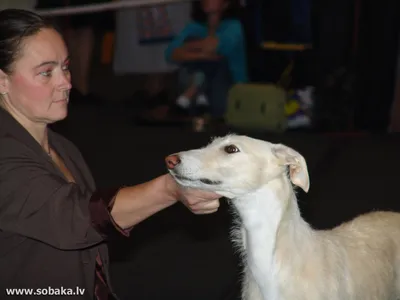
134 204
37 204
181 50
194 49
187 54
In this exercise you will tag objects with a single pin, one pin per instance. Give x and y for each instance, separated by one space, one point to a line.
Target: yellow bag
257 107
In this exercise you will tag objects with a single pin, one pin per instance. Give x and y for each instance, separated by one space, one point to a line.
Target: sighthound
284 257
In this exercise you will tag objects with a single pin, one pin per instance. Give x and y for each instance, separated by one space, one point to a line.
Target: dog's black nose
172 161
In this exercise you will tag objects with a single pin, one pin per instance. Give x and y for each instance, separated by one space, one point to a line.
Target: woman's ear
3 82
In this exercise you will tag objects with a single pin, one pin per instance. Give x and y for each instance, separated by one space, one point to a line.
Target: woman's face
214 6
38 88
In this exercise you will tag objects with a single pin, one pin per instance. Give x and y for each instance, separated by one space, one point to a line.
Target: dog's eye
231 149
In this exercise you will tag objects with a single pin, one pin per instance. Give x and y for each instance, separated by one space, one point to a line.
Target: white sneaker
183 101
201 100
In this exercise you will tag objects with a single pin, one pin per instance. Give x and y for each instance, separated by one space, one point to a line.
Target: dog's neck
272 221
271 207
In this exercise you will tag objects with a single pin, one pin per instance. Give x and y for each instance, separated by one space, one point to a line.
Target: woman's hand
207 45
197 201
183 54
210 44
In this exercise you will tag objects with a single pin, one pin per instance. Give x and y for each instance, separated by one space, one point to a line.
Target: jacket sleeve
39 204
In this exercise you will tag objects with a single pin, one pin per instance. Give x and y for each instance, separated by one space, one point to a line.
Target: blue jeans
215 86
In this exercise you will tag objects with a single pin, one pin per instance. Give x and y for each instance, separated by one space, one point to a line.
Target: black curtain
353 60
376 59
276 16
333 27
331 36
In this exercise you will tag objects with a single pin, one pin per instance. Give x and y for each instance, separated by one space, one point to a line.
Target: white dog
285 259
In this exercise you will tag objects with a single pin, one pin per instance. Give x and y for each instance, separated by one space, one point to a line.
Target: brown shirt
53 232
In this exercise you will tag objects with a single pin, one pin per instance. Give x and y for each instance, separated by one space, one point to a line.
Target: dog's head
236 165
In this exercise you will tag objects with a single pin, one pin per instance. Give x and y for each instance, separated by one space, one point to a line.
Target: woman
211 52
53 220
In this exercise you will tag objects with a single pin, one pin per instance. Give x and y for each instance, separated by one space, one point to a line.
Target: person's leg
205 87
200 83
187 90
200 72
218 86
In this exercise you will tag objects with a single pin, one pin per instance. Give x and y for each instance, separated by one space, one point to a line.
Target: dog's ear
298 171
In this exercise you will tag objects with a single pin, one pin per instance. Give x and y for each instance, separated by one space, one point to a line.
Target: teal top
231 45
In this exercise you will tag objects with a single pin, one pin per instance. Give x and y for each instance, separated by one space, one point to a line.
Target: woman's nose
65 82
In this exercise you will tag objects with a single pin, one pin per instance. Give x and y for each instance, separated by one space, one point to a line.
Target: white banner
90 8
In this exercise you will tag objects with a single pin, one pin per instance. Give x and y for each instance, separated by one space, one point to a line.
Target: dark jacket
50 230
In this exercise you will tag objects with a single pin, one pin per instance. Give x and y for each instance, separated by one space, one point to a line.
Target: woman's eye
231 149
45 73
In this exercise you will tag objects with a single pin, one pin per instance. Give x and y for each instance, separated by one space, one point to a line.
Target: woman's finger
210 205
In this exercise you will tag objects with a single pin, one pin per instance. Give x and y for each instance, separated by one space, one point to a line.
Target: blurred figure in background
211 54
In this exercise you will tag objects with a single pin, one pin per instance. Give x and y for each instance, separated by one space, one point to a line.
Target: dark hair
15 26
231 12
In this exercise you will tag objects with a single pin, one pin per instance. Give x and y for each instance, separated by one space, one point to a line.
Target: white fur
284 258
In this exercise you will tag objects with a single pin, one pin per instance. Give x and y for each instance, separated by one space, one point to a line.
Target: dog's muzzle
173 160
